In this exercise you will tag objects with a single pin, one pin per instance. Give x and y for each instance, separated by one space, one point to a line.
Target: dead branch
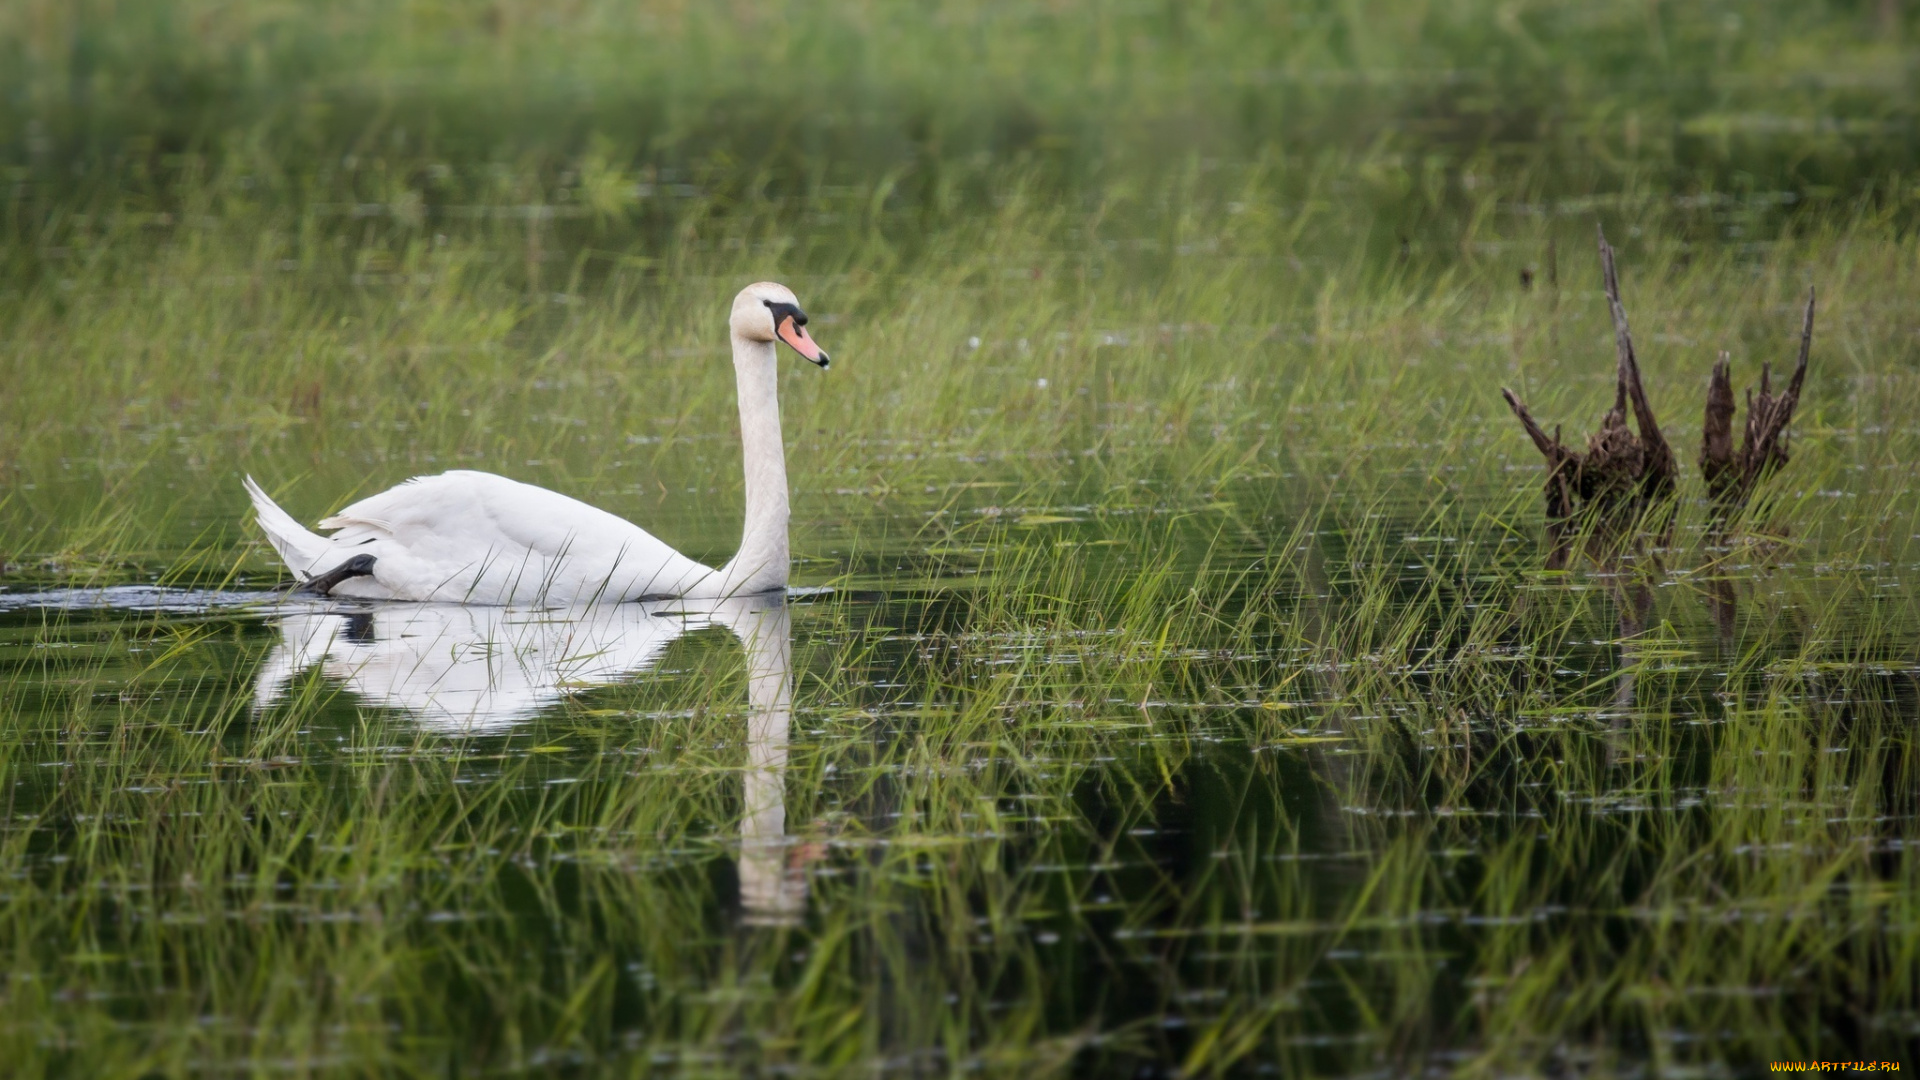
1658 470
1733 475
1716 432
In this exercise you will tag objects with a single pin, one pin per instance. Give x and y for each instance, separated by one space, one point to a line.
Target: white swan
476 538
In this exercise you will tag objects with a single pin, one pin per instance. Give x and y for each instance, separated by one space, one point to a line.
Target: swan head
768 311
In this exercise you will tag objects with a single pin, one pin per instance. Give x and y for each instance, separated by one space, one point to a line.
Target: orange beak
796 335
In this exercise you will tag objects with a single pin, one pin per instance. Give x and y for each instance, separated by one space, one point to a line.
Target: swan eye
783 311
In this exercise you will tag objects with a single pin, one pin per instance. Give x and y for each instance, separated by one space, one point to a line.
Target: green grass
1177 683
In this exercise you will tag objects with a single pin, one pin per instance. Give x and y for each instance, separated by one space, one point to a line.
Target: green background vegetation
1188 694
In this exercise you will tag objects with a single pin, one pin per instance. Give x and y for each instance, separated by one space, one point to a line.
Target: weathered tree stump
1625 479
1621 474
1732 475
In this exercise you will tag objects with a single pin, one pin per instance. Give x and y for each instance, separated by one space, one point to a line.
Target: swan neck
761 563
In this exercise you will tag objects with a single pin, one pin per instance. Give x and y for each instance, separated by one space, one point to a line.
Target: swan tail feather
298 547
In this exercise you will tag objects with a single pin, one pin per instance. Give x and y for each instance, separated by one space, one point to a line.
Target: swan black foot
358 566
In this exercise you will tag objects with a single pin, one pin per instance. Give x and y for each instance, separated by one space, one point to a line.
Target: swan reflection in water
480 670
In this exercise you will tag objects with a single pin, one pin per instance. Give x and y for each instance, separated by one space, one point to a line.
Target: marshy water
1121 784
1172 683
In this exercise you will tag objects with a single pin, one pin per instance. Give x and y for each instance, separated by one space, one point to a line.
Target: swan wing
474 537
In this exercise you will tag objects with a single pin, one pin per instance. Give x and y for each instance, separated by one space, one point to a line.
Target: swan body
469 537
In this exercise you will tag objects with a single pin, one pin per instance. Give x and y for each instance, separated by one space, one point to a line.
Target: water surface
888 819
